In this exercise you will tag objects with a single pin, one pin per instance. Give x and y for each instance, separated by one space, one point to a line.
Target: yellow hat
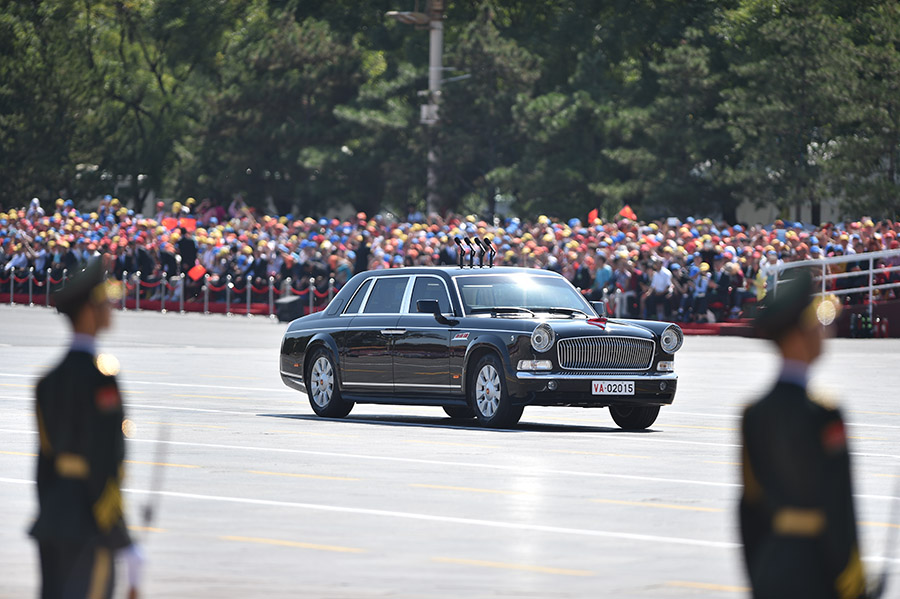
190 201
704 267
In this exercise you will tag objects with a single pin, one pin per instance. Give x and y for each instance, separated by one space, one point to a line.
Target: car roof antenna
462 251
482 250
468 241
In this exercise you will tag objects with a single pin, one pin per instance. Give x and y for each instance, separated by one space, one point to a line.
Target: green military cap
785 307
85 286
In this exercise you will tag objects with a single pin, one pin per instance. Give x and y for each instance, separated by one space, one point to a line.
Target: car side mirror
599 308
430 306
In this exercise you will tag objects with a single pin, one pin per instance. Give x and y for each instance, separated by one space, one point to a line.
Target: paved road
262 499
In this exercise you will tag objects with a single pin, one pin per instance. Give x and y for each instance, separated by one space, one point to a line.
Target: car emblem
461 337
598 322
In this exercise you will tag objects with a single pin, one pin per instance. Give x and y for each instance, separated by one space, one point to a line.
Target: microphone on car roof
472 253
462 250
482 247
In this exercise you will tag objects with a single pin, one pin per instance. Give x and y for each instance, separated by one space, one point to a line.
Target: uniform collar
83 343
794 372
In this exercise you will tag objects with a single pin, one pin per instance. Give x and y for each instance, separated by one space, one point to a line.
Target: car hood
585 328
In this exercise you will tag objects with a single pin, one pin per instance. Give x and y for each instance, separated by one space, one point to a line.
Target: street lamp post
433 18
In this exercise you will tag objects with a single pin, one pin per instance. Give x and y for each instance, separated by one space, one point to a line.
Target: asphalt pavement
257 497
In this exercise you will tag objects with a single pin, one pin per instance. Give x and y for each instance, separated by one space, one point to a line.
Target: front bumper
574 389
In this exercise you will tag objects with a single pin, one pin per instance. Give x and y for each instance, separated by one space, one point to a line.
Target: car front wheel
634 418
488 396
322 388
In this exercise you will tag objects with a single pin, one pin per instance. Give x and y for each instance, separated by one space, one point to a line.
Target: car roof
455 271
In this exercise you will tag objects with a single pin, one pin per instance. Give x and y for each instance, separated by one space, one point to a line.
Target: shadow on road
458 424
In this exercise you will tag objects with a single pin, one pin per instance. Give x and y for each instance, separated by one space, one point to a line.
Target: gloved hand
134 562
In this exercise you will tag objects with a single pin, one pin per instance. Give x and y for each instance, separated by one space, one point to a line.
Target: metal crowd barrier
132 286
824 277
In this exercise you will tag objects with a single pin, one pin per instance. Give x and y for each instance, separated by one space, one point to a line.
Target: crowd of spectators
690 271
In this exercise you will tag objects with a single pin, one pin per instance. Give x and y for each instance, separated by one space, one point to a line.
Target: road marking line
876 413
724 463
706 586
879 524
451 443
30 455
165 384
508 566
161 464
867 438
129 371
196 396
146 528
501 467
707 428
223 376
468 489
181 409
667 506
611 455
185 424
313 433
888 475
333 548
318 476
16 385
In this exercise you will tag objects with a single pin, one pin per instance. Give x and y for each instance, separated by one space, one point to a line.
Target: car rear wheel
634 418
322 388
488 397
459 411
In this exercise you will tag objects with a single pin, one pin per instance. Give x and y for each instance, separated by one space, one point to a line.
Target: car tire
488 397
634 418
459 411
322 387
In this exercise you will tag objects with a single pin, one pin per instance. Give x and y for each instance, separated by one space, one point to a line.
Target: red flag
628 213
189 224
170 223
593 215
196 272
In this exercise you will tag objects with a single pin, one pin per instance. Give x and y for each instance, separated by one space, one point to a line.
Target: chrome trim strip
649 376
402 385
291 375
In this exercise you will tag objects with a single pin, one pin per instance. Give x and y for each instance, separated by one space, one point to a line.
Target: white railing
868 258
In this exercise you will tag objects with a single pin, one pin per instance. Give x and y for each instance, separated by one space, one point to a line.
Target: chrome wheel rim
322 379
487 391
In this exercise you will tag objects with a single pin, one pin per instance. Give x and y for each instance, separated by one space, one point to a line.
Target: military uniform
796 512
797 517
79 474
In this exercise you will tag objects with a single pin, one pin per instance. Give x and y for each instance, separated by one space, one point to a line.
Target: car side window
357 300
430 288
386 296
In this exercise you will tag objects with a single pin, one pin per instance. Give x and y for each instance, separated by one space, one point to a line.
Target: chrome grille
605 353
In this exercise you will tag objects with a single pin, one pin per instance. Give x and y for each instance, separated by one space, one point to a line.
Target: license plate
612 387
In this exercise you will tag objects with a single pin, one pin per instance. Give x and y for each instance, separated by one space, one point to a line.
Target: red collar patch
107 398
833 437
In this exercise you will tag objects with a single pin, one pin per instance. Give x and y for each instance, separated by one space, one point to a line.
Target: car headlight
543 337
671 339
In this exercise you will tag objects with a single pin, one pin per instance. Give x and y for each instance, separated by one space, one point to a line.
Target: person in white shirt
657 296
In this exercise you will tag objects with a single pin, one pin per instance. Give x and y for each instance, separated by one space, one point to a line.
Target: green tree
790 66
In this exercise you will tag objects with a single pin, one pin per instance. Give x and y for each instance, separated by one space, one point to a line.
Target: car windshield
521 295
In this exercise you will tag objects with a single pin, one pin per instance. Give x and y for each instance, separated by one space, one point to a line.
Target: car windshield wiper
558 310
501 310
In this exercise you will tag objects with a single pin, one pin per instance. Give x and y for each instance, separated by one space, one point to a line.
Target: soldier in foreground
797 517
79 474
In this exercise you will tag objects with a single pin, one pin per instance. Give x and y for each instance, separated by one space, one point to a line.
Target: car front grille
605 353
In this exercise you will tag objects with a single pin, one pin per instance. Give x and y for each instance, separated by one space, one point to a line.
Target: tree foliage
312 106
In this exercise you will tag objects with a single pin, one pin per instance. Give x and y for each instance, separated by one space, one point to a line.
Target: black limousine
481 343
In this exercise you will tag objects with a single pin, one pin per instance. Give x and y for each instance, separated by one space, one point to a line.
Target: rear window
356 302
430 288
386 296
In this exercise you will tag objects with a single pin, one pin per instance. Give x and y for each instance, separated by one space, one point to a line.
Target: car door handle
393 331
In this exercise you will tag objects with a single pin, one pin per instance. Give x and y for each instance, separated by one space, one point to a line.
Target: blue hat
738 229
398 259
674 266
695 270
815 250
